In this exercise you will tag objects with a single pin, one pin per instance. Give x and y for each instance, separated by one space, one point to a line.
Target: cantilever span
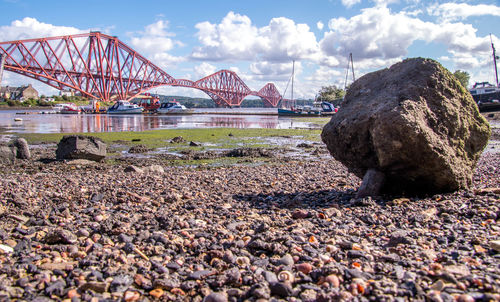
101 66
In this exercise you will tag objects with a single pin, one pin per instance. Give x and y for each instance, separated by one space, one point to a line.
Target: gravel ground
288 230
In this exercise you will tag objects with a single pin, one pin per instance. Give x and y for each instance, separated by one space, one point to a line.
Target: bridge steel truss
101 66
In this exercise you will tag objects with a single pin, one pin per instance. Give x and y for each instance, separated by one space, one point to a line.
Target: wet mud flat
285 229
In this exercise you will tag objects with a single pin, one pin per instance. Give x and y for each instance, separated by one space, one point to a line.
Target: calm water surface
69 123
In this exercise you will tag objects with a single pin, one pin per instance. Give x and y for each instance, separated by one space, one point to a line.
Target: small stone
282 289
465 298
72 293
60 236
305 268
6 249
216 297
300 214
131 296
133 169
287 259
56 288
333 280
157 293
495 245
98 287
201 274
438 285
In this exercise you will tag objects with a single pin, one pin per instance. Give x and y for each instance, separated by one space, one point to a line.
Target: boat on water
486 95
58 107
173 107
149 102
70 109
317 109
124 107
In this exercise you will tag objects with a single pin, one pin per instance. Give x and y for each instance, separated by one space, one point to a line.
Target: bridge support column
2 62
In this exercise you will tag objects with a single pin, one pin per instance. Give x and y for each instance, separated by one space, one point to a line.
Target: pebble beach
286 230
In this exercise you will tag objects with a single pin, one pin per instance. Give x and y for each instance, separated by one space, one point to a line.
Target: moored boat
173 107
70 109
486 95
124 107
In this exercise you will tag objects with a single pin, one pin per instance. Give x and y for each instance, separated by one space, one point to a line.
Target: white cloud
350 3
235 38
379 34
29 28
459 11
155 42
203 70
320 25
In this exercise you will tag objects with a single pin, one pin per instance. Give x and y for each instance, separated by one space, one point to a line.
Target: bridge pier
2 62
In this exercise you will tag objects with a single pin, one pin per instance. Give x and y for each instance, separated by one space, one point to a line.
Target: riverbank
263 225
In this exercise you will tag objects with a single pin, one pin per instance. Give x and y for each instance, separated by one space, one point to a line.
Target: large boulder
18 149
22 148
7 155
81 147
413 126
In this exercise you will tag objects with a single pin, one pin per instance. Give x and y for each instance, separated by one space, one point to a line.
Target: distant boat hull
126 111
124 107
290 112
173 108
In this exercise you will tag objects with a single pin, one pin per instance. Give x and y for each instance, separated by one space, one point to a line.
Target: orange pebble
73 293
157 292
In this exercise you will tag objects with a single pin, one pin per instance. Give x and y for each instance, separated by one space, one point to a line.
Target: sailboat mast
494 61
293 76
350 63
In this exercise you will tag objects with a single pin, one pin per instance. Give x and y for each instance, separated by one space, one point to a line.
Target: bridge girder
101 66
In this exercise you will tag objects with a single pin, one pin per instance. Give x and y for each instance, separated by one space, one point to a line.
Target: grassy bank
218 137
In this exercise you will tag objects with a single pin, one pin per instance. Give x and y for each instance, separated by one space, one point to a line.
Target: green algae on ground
216 137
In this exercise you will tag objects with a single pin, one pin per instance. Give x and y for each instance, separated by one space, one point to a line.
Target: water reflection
66 123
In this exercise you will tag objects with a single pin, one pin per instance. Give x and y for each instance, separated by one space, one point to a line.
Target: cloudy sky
260 39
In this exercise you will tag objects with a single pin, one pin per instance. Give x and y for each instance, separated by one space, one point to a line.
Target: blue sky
259 39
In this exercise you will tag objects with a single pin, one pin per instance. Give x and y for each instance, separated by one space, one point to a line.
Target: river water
33 121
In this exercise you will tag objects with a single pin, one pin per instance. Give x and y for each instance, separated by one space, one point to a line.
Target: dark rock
133 169
372 184
281 289
193 144
139 149
81 147
23 247
177 139
125 238
249 152
415 123
60 236
201 274
260 291
120 283
305 145
166 283
399 237
56 288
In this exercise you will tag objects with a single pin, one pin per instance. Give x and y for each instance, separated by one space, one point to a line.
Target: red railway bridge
103 67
